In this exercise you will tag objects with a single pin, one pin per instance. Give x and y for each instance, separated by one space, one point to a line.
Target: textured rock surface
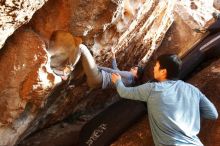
13 14
25 82
82 18
134 28
138 31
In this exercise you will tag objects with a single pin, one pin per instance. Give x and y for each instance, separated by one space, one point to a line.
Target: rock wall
32 97
14 14
138 28
25 81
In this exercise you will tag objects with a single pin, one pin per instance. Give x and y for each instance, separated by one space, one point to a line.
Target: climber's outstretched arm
114 63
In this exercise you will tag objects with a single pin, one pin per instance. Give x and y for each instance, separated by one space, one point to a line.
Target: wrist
117 80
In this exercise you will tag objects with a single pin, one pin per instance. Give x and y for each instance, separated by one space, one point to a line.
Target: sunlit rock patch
26 80
138 28
13 14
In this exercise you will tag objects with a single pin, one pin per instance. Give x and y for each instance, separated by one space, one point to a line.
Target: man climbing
66 51
174 107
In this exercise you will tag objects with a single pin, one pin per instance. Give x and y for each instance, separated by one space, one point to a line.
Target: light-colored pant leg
94 75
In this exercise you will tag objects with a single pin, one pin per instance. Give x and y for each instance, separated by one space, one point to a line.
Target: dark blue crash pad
111 123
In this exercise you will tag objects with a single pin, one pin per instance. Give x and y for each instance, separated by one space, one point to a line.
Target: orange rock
21 84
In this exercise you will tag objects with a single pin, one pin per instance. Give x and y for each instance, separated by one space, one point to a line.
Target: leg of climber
65 51
94 75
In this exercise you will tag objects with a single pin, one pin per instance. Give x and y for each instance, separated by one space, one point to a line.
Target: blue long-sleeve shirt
174 109
127 77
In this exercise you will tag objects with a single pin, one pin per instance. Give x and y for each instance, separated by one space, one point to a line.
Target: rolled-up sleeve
207 108
140 93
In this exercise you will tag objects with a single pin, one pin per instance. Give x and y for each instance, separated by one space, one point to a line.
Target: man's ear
78 40
164 71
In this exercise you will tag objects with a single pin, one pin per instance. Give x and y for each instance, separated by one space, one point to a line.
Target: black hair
140 72
172 63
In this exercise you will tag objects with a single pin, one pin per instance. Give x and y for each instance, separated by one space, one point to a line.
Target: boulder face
32 97
25 82
81 18
138 29
14 14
